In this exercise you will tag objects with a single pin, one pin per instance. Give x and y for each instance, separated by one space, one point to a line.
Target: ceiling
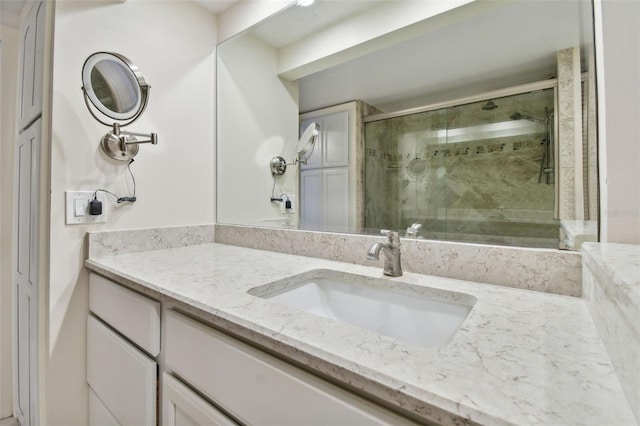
513 43
10 9
215 6
296 22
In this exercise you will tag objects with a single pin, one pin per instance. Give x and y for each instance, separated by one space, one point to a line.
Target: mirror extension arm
130 138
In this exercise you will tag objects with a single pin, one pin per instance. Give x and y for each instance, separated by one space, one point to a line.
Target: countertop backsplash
546 270
112 243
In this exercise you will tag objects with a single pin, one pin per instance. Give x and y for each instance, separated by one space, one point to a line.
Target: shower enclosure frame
486 96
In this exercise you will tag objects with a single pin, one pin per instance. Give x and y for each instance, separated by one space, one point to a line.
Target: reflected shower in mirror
466 172
456 121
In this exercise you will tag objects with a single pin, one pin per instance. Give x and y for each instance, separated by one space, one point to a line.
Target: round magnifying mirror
114 86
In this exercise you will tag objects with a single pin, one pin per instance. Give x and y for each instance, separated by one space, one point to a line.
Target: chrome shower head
517 116
489 106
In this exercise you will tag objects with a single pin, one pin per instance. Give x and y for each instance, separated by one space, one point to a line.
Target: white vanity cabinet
31 65
207 377
256 388
123 339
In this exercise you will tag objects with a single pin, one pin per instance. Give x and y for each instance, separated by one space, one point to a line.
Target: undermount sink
415 314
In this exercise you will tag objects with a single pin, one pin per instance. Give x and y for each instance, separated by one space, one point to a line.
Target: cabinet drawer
183 407
121 376
132 314
257 388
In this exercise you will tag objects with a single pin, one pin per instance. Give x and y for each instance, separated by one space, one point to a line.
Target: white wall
257 119
173 44
8 83
618 73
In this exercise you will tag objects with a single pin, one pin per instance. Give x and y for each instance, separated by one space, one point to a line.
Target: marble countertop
620 263
520 357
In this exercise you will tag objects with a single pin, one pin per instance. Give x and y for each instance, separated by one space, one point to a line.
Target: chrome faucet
391 248
412 231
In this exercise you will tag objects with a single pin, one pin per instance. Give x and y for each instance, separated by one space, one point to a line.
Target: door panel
336 197
31 71
26 275
335 134
315 159
311 200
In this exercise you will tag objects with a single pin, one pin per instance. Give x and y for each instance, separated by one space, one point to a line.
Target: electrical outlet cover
77 206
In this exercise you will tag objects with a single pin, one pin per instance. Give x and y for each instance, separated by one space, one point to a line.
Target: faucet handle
393 238
415 227
412 231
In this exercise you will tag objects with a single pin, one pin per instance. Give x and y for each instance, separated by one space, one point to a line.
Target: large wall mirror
460 120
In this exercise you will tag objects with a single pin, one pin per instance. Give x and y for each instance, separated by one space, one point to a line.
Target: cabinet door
335 140
31 67
332 145
336 198
311 199
315 159
122 377
324 198
183 407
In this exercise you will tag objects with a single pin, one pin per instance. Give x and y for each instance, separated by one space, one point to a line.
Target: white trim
602 120
523 88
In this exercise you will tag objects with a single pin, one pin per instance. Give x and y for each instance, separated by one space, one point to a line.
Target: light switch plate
83 197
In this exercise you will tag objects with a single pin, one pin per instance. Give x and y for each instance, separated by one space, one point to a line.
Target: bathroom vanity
519 357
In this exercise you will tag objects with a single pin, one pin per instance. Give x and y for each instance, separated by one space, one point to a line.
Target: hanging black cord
273 190
133 179
121 199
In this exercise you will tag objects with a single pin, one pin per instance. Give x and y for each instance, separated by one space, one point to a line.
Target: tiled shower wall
483 188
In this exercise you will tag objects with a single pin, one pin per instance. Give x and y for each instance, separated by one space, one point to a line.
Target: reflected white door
324 180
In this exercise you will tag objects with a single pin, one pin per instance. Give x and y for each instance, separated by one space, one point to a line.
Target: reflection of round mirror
305 145
114 85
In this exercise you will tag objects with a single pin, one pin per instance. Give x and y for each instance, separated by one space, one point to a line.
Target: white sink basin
415 314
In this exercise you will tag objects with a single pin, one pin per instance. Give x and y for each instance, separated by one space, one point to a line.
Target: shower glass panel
478 172
404 180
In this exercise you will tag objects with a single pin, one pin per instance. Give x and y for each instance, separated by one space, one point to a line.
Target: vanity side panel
617 319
